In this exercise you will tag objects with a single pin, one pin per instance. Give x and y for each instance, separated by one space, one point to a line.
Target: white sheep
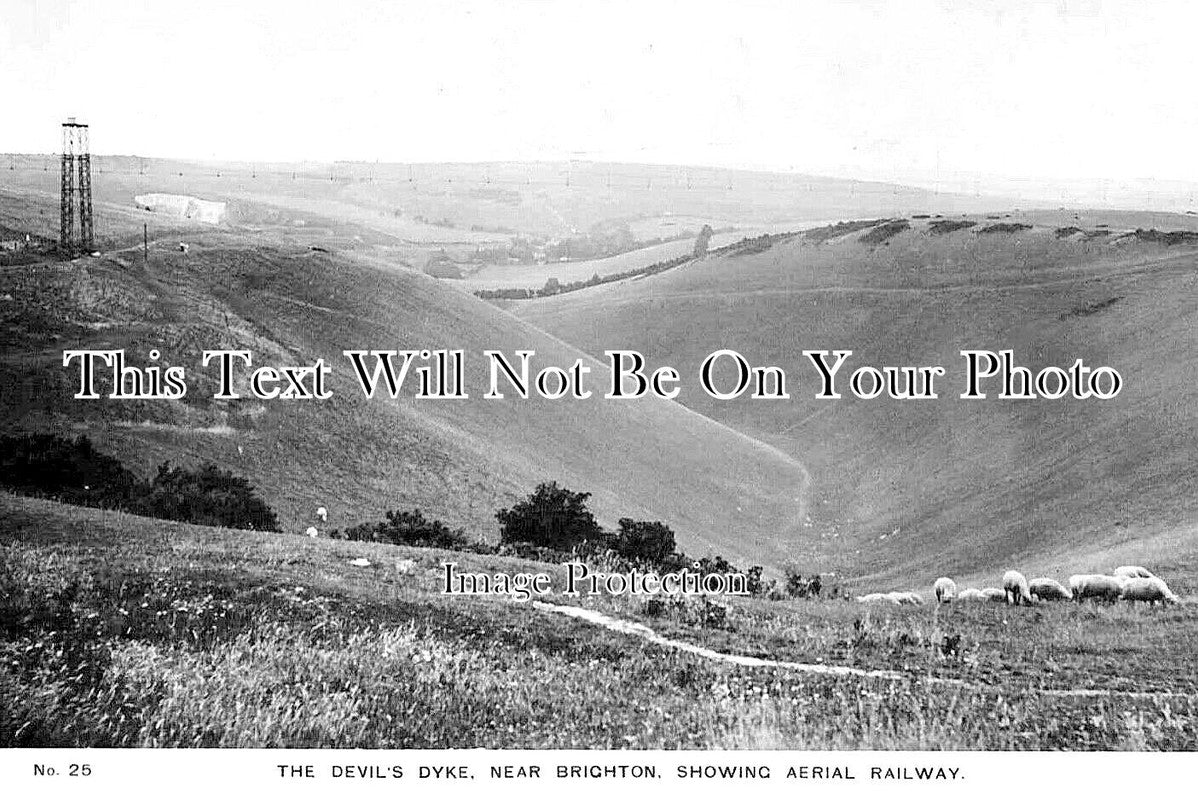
405 566
360 562
945 589
1015 588
1096 587
1132 572
322 513
312 532
994 594
971 596
1148 590
877 597
1048 589
906 598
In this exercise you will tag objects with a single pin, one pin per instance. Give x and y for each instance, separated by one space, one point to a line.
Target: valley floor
124 631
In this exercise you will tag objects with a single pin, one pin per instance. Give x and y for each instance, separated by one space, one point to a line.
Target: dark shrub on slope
73 471
406 528
651 542
206 495
552 516
69 470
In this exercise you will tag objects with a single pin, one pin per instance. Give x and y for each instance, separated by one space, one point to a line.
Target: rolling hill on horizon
448 204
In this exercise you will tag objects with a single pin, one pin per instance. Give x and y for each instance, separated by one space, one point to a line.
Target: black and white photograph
429 398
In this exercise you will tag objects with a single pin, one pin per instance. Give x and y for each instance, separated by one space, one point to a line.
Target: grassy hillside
457 460
124 631
902 489
313 260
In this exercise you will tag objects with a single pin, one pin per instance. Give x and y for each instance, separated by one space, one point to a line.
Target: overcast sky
1056 91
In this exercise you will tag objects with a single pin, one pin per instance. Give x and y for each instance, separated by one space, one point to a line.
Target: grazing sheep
312 532
877 597
1149 590
994 594
897 598
360 562
907 598
945 589
971 596
1096 587
322 513
1015 588
1048 589
1133 572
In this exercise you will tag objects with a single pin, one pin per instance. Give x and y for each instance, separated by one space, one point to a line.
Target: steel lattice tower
76 191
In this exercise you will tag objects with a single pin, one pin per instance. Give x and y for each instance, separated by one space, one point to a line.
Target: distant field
122 631
533 276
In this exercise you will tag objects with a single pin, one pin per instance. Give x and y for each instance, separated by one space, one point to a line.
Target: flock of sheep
1127 583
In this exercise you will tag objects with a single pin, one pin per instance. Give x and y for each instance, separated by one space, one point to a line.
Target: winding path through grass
630 628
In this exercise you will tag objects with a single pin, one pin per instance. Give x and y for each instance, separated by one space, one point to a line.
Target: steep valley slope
459 460
913 488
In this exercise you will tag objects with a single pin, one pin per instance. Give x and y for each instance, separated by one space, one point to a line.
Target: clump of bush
699 611
1005 227
651 542
753 245
799 586
552 516
885 231
1167 238
73 471
67 470
205 495
813 586
940 227
823 234
553 524
409 528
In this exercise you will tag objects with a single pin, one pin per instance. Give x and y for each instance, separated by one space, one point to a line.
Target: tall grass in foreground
184 649
276 687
